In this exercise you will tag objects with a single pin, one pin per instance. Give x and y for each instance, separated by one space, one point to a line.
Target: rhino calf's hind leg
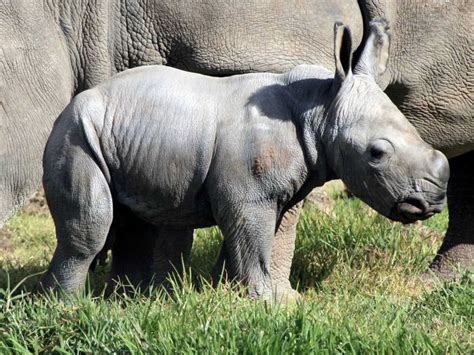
81 204
457 249
171 253
143 253
132 250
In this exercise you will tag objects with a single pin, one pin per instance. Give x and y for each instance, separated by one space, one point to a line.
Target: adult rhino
54 49
182 150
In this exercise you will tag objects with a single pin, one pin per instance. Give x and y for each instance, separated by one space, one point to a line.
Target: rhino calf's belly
162 190
161 209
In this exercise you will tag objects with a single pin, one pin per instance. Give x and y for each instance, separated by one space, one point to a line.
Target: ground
356 270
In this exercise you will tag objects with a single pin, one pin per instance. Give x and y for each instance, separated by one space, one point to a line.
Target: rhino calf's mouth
413 209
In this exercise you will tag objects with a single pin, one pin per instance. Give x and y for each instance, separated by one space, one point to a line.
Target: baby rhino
182 151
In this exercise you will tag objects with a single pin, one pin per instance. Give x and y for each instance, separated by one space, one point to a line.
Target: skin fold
52 50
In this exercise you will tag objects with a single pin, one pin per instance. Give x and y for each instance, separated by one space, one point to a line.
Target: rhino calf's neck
183 151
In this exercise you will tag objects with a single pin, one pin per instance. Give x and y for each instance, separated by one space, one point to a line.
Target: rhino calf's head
371 146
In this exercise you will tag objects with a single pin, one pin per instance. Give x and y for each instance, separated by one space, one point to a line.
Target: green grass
357 272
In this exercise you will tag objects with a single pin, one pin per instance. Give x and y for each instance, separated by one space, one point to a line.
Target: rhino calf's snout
429 196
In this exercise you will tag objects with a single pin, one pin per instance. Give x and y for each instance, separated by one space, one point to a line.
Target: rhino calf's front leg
281 258
248 236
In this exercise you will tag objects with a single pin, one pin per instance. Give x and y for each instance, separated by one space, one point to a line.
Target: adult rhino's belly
263 37
455 151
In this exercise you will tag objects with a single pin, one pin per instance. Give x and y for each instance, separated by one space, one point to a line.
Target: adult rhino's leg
35 85
220 270
457 249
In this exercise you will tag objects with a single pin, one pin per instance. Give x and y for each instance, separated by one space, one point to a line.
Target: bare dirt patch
322 198
37 203
5 244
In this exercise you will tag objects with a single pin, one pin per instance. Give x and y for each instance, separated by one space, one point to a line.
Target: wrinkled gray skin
51 50
181 150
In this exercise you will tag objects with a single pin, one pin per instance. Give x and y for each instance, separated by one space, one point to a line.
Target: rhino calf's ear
342 51
374 57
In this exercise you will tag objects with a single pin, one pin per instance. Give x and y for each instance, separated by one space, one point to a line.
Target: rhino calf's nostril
417 204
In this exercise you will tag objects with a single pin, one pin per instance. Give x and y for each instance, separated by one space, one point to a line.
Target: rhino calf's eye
377 153
380 149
